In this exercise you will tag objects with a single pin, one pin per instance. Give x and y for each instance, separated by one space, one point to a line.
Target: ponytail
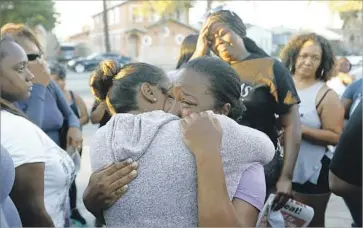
102 80
118 86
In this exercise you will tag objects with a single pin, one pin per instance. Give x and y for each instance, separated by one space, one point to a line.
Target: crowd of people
202 145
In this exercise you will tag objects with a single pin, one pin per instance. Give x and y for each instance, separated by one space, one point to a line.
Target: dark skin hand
108 185
292 138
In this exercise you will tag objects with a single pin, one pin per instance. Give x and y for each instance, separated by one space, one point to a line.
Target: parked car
66 53
90 63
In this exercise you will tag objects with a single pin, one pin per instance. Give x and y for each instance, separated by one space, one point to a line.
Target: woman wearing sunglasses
43 171
47 106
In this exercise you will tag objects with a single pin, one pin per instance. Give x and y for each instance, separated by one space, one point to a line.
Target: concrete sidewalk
337 214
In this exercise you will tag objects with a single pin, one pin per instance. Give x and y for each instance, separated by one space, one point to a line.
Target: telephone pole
105 27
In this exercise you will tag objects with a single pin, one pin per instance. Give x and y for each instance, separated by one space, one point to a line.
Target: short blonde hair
21 31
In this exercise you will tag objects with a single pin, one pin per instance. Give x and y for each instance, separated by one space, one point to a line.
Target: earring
154 99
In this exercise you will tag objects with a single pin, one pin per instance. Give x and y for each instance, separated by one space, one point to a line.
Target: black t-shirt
105 118
347 160
268 91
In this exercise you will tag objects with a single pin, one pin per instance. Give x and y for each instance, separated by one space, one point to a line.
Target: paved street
336 216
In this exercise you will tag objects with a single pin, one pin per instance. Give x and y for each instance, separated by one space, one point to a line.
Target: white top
308 163
337 85
27 143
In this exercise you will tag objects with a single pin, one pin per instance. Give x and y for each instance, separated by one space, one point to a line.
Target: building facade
147 38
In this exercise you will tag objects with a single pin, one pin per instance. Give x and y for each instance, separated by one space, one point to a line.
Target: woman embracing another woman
189 170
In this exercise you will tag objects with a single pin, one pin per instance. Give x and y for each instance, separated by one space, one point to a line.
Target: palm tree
105 27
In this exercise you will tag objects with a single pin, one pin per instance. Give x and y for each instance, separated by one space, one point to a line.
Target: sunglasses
33 57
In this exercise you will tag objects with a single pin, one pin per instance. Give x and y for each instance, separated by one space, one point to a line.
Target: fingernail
129 161
133 173
134 165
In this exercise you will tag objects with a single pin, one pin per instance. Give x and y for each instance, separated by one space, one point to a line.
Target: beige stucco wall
164 50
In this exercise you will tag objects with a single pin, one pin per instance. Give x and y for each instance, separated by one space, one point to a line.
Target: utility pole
105 27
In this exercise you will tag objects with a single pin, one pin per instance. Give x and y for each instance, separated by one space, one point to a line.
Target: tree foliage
345 6
28 12
165 7
161 8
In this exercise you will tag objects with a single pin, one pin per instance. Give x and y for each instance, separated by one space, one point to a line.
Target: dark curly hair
291 51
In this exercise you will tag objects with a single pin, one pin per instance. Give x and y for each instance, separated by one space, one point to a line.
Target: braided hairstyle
233 21
225 83
4 104
118 86
291 51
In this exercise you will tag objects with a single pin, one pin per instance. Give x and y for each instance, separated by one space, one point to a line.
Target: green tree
161 8
347 9
28 12
164 7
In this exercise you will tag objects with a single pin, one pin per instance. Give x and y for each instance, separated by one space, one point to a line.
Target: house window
153 17
136 14
97 20
117 15
111 17
178 15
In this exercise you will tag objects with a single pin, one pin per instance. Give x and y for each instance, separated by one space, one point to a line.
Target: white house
263 37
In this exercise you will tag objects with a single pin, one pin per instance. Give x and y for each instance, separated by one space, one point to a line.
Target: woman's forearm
215 209
97 114
292 139
320 136
33 217
84 120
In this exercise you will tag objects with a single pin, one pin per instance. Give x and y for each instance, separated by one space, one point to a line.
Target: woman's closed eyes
187 102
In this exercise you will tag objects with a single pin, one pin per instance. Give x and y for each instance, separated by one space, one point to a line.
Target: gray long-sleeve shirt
164 194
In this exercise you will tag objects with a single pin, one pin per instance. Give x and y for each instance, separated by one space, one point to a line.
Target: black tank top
73 105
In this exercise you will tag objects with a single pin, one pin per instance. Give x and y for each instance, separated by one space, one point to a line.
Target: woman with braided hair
267 91
168 191
43 171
